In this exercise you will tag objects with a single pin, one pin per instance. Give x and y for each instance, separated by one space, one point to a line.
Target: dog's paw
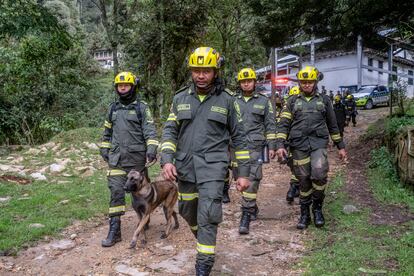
132 244
163 236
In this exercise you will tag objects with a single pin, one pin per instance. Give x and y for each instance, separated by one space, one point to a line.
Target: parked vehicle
369 96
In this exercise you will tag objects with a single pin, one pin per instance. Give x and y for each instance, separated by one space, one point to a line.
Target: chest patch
183 107
219 109
258 106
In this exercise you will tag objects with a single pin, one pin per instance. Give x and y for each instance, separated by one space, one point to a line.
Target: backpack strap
137 110
113 109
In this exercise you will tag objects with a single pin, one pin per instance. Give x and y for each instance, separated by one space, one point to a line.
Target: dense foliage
49 81
46 76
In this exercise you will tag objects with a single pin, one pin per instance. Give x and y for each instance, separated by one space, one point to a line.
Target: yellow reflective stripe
194 228
152 142
242 154
115 172
308 193
117 209
281 136
106 145
172 117
168 145
336 137
318 187
286 115
250 195
107 124
187 197
270 136
206 249
301 161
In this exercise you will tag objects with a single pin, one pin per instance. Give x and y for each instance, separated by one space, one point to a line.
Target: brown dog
147 196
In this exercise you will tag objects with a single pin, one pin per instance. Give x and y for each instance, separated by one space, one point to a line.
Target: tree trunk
115 58
163 75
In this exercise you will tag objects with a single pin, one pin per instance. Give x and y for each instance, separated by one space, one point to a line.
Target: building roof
368 52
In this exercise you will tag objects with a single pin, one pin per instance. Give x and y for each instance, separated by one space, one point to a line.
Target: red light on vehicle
282 80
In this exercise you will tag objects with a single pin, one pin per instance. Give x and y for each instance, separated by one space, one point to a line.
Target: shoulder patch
182 89
228 91
262 94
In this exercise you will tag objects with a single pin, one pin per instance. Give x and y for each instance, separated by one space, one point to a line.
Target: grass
75 136
57 202
350 245
384 180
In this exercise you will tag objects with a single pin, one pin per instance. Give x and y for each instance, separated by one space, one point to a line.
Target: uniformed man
306 122
351 110
194 150
340 114
260 126
129 141
294 182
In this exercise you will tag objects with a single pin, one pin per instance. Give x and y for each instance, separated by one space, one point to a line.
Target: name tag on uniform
219 109
182 107
258 106
132 112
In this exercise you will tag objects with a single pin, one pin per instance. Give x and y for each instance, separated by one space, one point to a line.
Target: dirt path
271 248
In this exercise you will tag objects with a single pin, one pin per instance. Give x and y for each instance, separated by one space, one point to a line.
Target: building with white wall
340 68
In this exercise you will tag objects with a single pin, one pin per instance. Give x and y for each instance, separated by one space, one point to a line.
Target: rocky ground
272 247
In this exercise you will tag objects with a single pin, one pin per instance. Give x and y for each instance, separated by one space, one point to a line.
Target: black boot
114 234
318 218
297 190
291 194
244 223
226 197
253 213
305 218
202 269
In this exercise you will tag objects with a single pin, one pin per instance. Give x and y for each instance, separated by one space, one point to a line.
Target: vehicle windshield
366 89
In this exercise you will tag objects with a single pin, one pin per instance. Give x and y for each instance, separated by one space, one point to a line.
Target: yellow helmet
309 73
337 98
349 97
204 57
294 91
125 77
246 74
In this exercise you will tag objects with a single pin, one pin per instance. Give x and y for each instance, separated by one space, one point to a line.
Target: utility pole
390 77
359 61
273 77
312 51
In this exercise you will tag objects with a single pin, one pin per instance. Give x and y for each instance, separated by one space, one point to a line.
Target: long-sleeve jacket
340 114
351 107
129 132
197 133
258 120
306 123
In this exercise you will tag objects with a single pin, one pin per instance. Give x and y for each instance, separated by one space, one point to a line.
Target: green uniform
196 139
128 136
306 123
260 126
